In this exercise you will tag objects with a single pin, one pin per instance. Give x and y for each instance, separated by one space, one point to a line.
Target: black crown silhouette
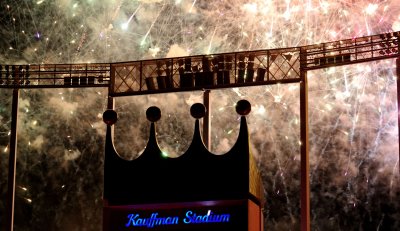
196 175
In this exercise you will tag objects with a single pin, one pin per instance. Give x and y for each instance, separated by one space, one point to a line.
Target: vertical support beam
268 63
207 119
110 99
304 148
398 100
110 102
12 159
112 80
141 76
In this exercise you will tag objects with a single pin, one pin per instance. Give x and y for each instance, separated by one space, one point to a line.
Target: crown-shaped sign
196 175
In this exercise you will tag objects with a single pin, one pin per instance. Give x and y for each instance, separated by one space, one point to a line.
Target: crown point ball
198 110
243 107
153 114
110 117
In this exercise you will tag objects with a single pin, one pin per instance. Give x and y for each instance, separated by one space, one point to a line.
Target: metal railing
350 51
54 75
205 72
225 70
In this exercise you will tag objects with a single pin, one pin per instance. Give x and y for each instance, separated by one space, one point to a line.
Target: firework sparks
352 109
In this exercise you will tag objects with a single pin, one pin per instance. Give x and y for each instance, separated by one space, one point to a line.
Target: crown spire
152 150
196 175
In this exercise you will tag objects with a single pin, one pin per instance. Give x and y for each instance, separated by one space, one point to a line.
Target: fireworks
110 31
352 109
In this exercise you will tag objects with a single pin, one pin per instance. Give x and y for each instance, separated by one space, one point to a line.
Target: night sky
354 148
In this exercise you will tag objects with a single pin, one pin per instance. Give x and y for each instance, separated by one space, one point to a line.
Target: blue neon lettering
190 218
153 220
131 219
210 217
187 219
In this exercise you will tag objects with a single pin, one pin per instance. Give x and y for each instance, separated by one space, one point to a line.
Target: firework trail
352 109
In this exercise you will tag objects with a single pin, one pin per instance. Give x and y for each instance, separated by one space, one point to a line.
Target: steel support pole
110 102
398 101
207 119
111 106
12 161
304 155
